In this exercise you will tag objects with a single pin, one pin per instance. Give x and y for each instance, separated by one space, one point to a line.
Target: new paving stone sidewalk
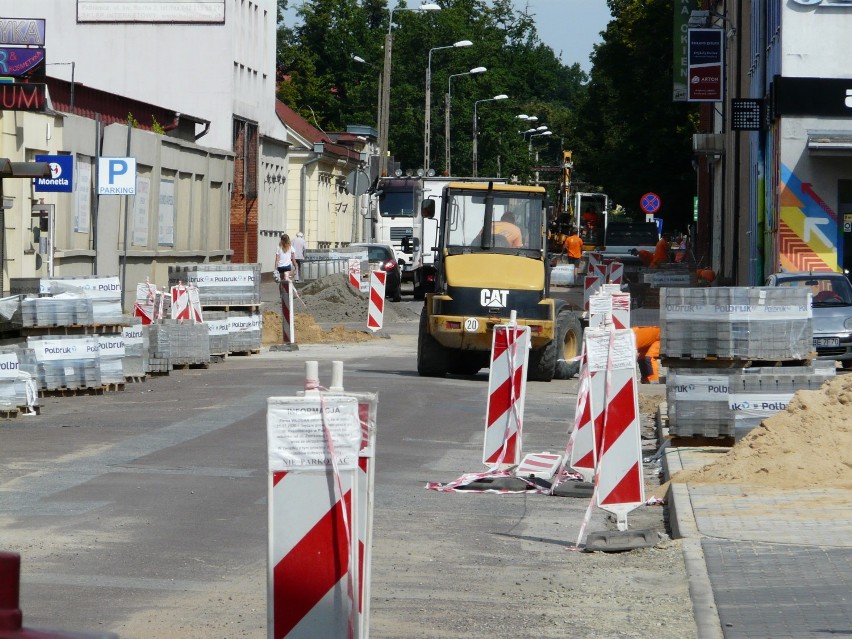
766 563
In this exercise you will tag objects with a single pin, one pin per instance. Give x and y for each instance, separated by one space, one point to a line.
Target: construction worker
661 252
573 247
648 353
509 230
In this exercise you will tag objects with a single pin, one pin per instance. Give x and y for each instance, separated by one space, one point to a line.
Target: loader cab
501 220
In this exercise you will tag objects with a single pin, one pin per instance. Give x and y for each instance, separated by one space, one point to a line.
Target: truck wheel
548 363
570 334
419 292
397 294
432 357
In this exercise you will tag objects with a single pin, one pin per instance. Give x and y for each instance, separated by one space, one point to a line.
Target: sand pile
329 301
809 444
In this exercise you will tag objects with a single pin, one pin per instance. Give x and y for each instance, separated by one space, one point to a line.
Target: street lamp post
545 132
474 71
427 129
502 96
384 103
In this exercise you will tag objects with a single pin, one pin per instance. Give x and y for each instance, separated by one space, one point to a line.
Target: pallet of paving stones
714 361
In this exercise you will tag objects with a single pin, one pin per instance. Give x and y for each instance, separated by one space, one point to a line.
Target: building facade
778 196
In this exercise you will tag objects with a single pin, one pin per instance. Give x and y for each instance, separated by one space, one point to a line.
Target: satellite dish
357 182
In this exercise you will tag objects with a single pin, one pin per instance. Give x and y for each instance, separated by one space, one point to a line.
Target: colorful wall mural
807 227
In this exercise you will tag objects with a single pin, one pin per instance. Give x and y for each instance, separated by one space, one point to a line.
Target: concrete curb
683 525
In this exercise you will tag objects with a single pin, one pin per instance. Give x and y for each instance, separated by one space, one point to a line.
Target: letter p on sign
116 176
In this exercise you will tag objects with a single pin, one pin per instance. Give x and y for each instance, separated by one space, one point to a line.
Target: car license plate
826 342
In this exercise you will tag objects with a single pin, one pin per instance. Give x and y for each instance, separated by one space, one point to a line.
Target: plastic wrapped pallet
18 387
10 313
63 310
244 332
223 284
111 353
135 361
217 330
104 293
68 362
712 402
741 323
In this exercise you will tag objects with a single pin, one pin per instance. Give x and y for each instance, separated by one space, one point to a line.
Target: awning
830 144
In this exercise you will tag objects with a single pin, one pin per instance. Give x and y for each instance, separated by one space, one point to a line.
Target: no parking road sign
650 203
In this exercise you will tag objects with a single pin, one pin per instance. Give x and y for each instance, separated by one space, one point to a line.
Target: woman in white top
284 257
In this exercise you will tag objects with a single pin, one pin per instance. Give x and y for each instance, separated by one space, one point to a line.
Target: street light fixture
502 96
427 127
474 71
384 103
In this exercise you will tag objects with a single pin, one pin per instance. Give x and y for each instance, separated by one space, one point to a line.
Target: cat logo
493 298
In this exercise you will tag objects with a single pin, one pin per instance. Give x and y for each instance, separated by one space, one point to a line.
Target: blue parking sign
61 178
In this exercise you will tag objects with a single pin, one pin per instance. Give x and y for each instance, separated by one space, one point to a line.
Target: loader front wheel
432 357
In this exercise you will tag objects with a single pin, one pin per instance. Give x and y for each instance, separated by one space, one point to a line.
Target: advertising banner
706 60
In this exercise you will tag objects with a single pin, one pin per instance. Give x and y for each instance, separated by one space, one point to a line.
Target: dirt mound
308 331
809 444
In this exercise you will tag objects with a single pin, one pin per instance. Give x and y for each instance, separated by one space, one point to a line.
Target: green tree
631 138
317 70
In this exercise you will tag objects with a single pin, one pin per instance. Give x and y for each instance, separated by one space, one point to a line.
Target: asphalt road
143 512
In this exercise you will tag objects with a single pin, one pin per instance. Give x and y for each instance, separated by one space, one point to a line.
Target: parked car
831 299
382 256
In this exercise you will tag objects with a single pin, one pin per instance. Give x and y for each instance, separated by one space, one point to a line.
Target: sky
570 27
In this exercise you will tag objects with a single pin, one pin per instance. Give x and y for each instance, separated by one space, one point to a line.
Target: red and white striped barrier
285 287
621 310
600 310
195 311
376 306
591 284
507 379
146 297
355 273
588 427
595 259
543 465
616 273
180 303
313 455
620 487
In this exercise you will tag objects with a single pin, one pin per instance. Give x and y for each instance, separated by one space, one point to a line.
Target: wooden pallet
696 441
113 387
73 329
135 379
12 412
71 392
254 351
193 365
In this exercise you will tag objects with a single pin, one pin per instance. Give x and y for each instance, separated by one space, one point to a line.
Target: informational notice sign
313 433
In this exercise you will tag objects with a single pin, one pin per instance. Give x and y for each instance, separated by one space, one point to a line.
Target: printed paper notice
297 431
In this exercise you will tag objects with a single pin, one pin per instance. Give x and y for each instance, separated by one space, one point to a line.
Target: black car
382 257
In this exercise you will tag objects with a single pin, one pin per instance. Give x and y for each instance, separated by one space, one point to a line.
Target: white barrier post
285 287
